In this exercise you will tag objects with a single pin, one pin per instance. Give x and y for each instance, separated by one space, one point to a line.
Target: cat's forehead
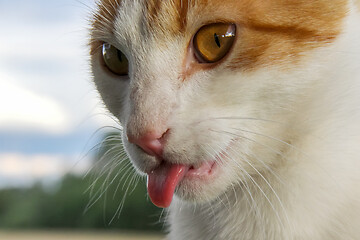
290 25
174 16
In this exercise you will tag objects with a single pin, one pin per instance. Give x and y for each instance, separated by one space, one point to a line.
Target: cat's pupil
217 40
119 55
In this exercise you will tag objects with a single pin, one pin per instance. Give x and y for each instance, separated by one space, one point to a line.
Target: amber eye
115 60
212 42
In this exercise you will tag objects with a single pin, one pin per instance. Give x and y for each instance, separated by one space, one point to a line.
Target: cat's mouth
163 180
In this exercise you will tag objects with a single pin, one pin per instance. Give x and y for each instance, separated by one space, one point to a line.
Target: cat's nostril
151 143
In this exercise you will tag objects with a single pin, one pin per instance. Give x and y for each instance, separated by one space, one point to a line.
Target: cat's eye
115 60
212 42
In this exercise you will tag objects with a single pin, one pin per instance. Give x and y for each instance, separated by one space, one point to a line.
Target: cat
243 114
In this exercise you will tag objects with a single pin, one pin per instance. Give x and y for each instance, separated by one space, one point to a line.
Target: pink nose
151 143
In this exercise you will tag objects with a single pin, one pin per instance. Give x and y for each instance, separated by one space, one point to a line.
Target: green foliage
67 206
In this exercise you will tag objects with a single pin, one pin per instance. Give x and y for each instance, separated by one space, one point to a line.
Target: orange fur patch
272 32
175 13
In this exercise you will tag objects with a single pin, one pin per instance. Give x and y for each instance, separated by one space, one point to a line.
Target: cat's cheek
113 90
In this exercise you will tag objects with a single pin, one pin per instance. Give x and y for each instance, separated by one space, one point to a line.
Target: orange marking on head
184 6
168 16
276 31
153 7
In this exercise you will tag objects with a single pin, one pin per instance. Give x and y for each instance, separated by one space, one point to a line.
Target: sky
49 108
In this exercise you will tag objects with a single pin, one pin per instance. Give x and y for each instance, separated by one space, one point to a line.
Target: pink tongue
163 181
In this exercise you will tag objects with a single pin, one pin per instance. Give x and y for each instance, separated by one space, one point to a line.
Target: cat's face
220 115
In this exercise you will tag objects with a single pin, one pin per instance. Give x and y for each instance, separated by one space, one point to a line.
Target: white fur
292 137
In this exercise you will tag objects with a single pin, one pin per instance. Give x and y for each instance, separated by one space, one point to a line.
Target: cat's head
207 91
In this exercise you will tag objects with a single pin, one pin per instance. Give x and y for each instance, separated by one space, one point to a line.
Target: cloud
24 170
21 109
48 104
45 82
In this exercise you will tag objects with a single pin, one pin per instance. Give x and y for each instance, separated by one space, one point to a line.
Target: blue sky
49 108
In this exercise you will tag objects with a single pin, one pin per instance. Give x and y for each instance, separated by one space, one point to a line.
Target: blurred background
63 175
